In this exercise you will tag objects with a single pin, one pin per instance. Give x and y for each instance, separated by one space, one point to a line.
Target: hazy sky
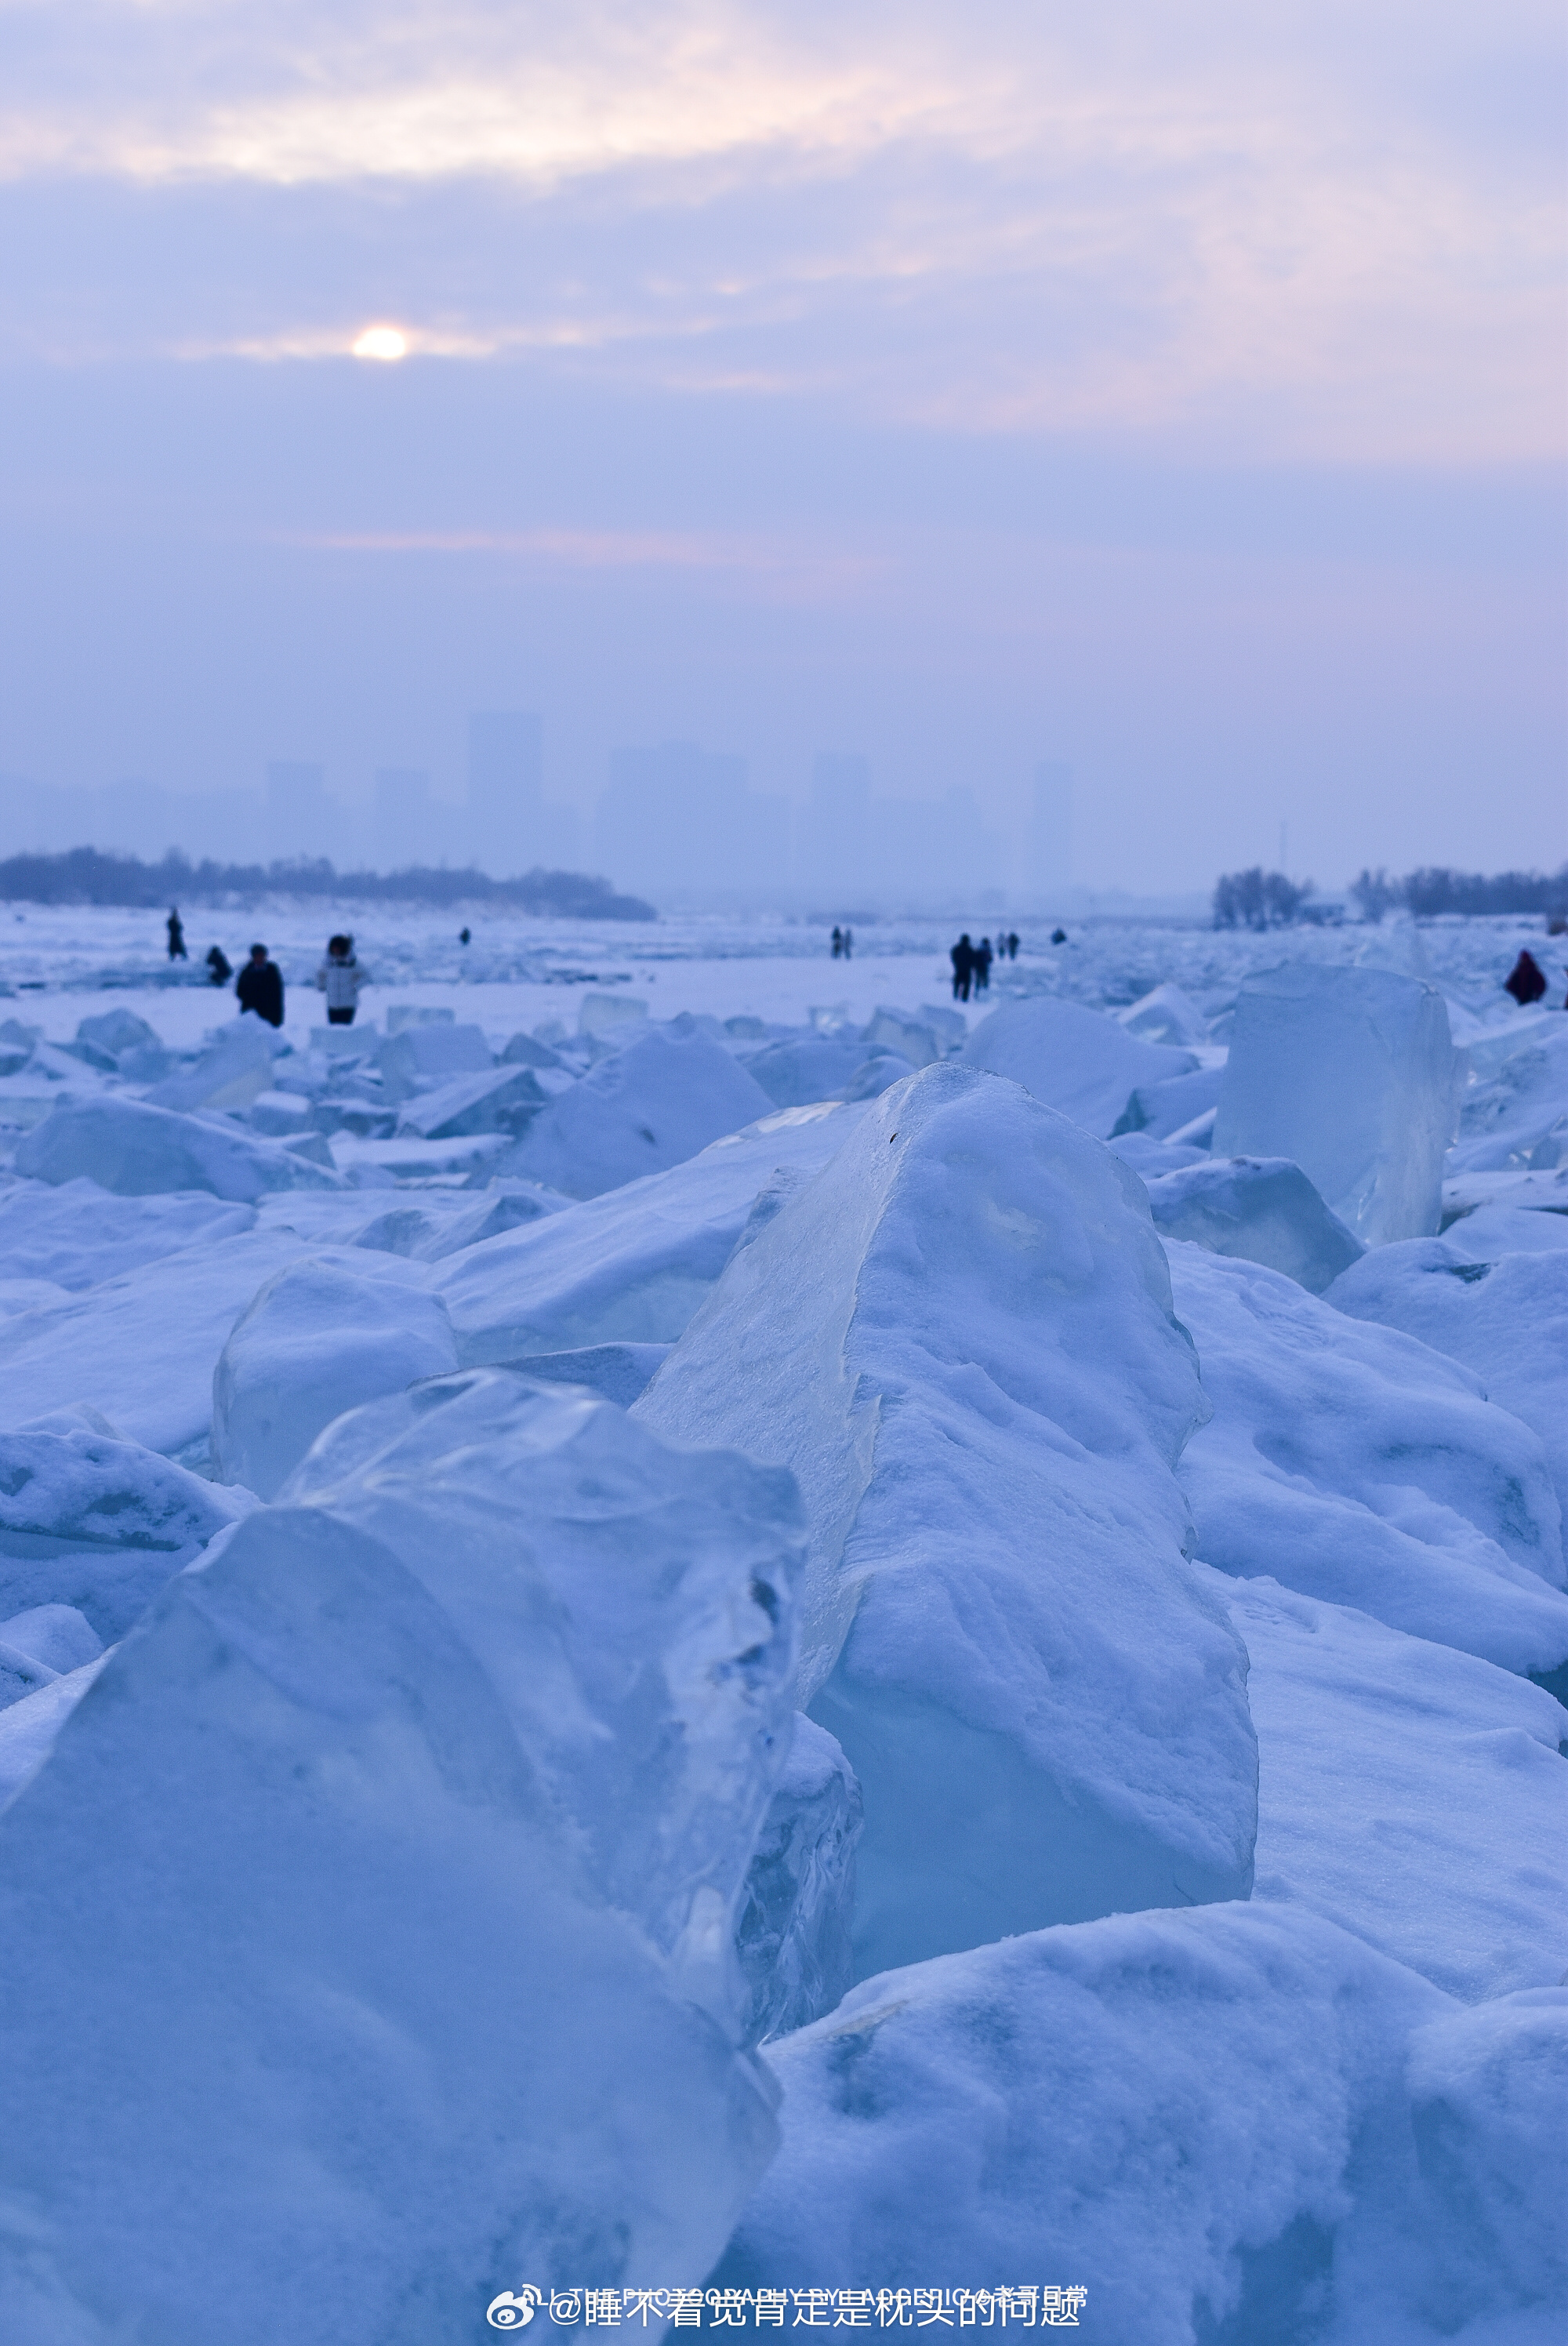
1177 391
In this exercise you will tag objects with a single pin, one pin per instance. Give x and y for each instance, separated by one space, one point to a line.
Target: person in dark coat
175 935
983 961
260 987
963 960
1012 944
217 968
838 942
1526 981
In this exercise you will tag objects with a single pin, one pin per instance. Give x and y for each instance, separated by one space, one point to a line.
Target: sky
1174 393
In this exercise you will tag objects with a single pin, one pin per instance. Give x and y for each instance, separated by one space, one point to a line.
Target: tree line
84 875
1268 899
1436 889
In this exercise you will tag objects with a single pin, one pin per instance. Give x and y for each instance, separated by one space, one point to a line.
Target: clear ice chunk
1351 1074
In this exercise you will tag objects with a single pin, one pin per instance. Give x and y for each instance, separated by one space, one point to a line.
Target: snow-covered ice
648 1106
1074 1060
418 1857
76 1235
401 1862
813 1068
1354 1464
1506 1318
501 1100
1204 2116
235 1068
631 1265
1263 1208
958 1336
137 1150
99 1523
1359 1723
141 1347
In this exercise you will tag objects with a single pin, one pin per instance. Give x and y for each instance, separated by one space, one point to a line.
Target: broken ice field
861 1656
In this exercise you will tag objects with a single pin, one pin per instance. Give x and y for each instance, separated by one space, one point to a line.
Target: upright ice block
1351 1073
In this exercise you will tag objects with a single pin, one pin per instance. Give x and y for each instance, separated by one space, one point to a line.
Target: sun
384 342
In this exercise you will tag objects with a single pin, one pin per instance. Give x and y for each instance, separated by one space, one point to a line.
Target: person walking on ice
176 927
340 978
260 987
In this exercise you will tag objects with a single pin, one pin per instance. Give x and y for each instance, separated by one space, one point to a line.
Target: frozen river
518 973
689 1638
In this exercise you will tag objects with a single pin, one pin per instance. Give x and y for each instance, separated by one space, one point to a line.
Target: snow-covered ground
689 1636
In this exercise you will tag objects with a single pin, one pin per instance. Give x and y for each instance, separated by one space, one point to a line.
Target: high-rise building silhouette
401 820
505 785
299 819
676 819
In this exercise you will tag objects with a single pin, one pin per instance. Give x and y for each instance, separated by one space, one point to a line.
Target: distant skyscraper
679 821
402 823
505 785
1051 828
298 816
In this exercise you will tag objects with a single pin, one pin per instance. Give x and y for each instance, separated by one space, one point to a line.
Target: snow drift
1506 1320
1362 1468
1074 1060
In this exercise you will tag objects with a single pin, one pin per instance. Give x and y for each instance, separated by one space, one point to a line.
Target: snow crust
1355 1464
651 1105
1074 1060
1263 1208
1253 2165
1505 1317
140 1150
99 1523
959 1338
1359 1723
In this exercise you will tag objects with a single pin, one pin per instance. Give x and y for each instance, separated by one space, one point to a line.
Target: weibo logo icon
513 2308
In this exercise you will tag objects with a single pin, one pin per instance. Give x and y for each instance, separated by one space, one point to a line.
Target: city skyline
675 818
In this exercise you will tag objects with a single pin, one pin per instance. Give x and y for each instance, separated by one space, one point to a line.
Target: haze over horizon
1176 400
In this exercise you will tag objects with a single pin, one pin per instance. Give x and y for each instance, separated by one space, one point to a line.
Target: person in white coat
340 978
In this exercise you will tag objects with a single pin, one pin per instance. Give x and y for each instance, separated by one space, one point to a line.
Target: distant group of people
843 943
971 963
260 984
